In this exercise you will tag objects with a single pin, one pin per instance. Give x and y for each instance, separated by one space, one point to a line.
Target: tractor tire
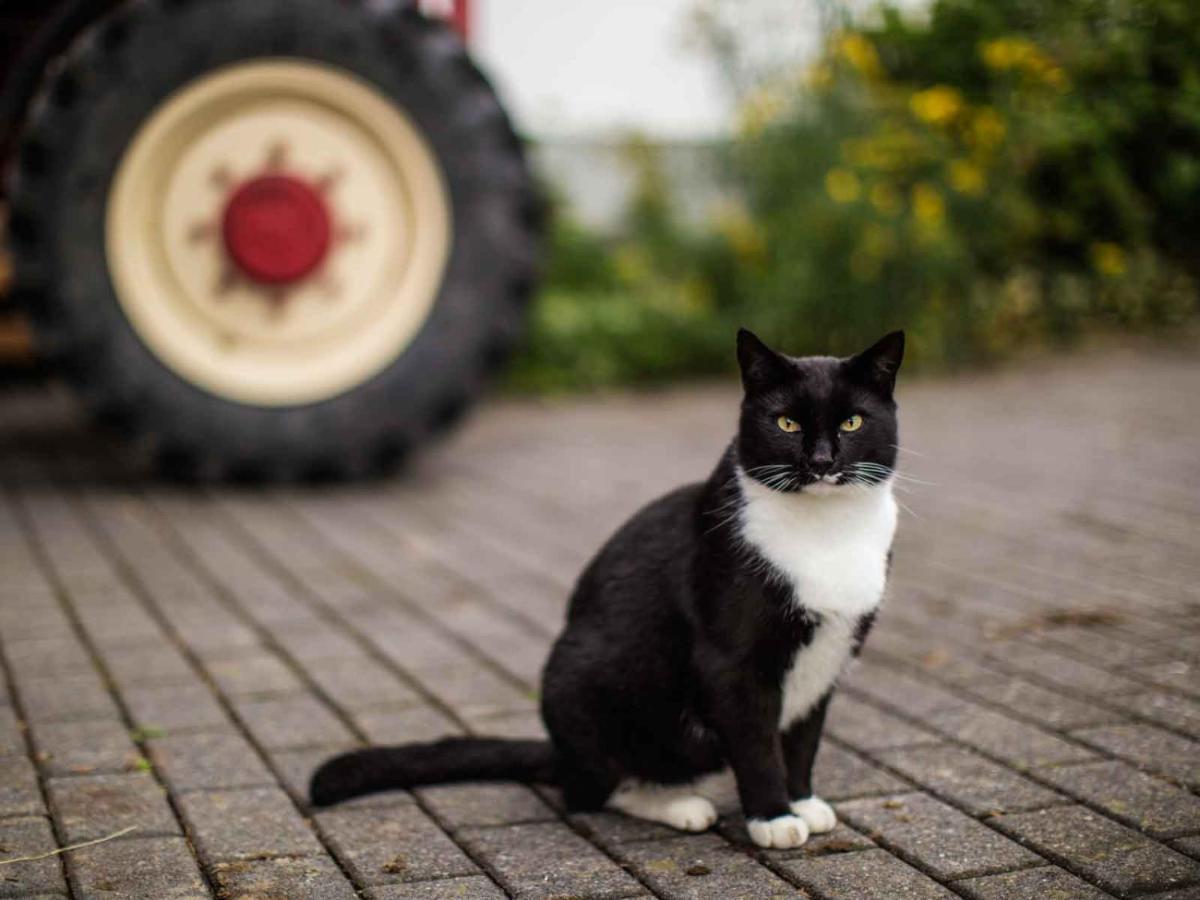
272 239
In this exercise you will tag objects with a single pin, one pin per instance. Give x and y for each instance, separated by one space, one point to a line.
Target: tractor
264 239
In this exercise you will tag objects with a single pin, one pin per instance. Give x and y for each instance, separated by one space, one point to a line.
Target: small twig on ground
109 837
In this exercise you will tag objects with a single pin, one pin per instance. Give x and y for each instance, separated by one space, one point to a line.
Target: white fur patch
817 814
780 833
675 805
832 548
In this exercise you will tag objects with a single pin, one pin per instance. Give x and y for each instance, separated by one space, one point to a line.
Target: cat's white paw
780 833
690 813
816 813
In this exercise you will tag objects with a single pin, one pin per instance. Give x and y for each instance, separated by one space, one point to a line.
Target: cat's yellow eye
789 425
852 424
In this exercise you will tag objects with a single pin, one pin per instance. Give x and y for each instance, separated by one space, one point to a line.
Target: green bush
989 174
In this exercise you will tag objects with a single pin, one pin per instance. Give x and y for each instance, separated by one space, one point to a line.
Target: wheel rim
277 232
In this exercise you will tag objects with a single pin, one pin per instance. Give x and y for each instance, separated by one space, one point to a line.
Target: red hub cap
276 229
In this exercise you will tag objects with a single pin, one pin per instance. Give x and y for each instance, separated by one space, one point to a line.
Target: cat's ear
879 363
762 367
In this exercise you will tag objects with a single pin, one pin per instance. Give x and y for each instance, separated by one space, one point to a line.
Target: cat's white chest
832 550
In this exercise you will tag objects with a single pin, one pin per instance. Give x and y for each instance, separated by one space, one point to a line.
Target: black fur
678 635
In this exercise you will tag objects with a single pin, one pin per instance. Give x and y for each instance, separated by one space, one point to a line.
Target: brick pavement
1025 721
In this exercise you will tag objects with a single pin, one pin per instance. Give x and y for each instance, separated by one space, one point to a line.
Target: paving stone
1172 711
1113 856
525 726
1046 665
474 691
296 767
34 622
1188 845
92 806
867 728
1142 801
48 658
253 672
967 780
118 624
703 866
361 683
309 644
156 665
609 828
869 875
843 839
398 843
548 860
159 868
472 888
1185 893
1180 675
175 709
1150 748
840 774
19 791
1042 883
1019 744
1049 707
458 805
207 761
306 878
84 747
292 722
12 732
27 837
916 826
245 824
67 697
402 726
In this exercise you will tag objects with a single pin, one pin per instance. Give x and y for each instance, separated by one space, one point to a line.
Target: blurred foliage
990 174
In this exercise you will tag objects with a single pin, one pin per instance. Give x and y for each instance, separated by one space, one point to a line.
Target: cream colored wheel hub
277 232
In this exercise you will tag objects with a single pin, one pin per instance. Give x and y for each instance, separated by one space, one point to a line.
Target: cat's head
818 424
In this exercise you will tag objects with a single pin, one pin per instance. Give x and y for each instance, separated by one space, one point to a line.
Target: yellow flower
987 128
1018 54
966 177
860 53
760 109
842 185
928 206
1108 259
819 77
936 105
886 199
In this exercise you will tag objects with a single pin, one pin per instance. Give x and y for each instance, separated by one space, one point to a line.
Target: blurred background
998 177
993 175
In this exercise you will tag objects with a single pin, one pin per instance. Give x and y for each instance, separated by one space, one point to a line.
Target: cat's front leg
800 742
752 740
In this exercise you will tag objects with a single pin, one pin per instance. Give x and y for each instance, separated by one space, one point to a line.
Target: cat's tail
451 759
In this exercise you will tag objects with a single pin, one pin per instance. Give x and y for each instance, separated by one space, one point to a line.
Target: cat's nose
820 463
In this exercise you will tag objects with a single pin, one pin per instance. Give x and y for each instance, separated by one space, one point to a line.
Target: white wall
599 68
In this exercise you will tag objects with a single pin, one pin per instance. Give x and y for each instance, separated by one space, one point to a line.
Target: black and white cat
710 631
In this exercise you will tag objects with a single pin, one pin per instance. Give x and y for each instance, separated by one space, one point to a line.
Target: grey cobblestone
399 843
1142 801
471 888
459 805
1042 883
305 878
300 721
869 875
966 779
85 747
92 806
19 791
222 760
548 860
139 867
251 823
696 868
1111 855
28 837
917 827
250 635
